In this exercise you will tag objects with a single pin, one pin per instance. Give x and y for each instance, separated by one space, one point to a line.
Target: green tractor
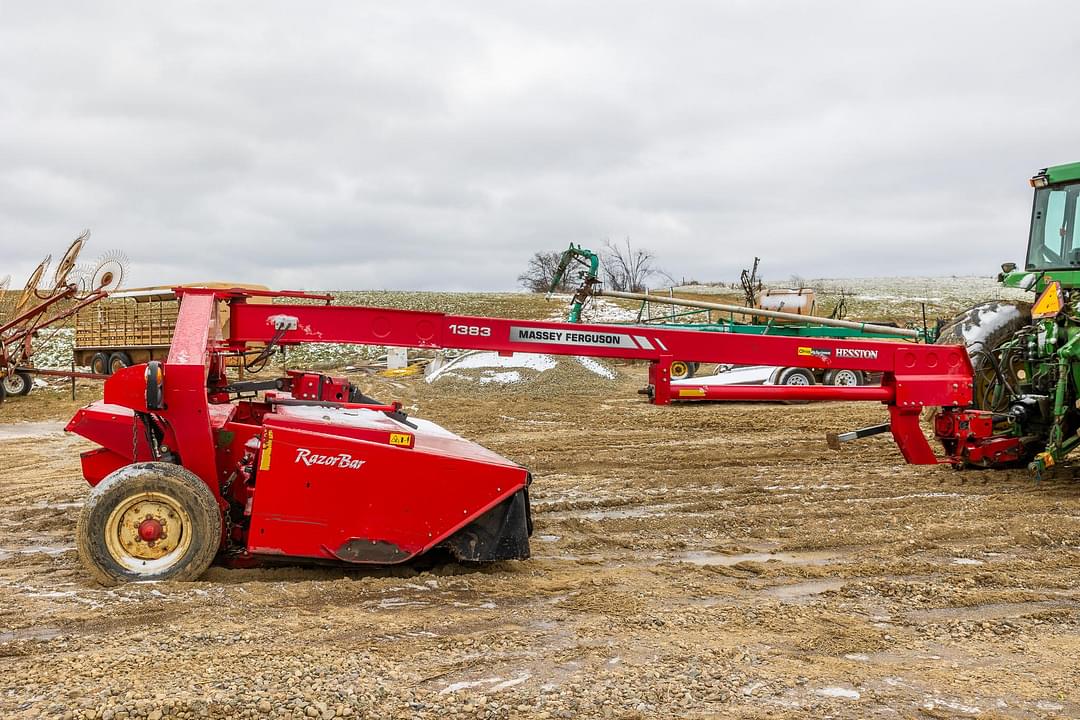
1027 356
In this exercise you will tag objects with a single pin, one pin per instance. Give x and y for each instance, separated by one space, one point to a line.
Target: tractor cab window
1055 241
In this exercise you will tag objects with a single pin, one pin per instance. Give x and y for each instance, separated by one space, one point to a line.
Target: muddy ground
695 561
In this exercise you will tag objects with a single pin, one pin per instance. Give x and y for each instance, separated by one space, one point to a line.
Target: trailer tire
795 376
18 383
844 377
119 360
149 521
3 393
99 364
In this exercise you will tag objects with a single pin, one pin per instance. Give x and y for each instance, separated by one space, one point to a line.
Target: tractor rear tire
118 360
983 329
149 521
99 364
18 383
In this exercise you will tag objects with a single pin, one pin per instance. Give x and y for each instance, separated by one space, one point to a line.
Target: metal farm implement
192 466
41 306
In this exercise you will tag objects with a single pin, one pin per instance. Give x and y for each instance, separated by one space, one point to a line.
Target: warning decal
1049 303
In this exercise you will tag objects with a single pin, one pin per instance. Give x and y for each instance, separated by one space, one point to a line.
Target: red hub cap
150 530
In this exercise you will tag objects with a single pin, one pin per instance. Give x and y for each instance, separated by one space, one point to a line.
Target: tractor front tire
149 521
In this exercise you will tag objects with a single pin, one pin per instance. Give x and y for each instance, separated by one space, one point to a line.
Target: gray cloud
438 145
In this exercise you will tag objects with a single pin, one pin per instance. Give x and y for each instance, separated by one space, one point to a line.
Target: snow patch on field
486 360
597 310
839 692
505 370
593 366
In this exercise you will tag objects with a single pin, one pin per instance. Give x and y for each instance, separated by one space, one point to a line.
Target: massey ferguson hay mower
192 466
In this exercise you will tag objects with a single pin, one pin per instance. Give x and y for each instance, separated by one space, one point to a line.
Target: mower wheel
149 521
99 364
18 383
119 360
843 377
681 369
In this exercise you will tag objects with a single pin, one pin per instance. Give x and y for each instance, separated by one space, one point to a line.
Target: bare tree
540 271
627 269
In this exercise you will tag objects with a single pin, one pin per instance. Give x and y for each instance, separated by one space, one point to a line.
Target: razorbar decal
571 337
341 460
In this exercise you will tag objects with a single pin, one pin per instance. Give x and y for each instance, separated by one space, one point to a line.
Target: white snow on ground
593 366
502 378
752 375
504 370
839 692
485 359
597 310
990 319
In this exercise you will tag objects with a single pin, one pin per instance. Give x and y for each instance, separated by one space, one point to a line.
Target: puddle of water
6 553
55 506
17 431
612 513
803 590
992 611
31 633
808 557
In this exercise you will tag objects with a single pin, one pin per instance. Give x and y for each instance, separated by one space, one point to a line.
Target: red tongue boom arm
914 376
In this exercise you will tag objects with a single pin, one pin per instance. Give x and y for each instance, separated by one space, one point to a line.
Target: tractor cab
1054 241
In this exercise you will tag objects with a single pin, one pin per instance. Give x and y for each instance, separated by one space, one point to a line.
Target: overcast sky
412 145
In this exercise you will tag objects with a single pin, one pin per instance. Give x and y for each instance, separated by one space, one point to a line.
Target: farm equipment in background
133 326
787 313
26 314
193 465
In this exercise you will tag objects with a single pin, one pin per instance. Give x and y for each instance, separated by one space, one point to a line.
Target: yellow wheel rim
148 533
679 369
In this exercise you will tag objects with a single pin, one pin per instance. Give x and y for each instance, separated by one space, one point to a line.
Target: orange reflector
1049 303
691 392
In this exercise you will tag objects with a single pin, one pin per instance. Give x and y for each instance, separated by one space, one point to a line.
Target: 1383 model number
473 330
